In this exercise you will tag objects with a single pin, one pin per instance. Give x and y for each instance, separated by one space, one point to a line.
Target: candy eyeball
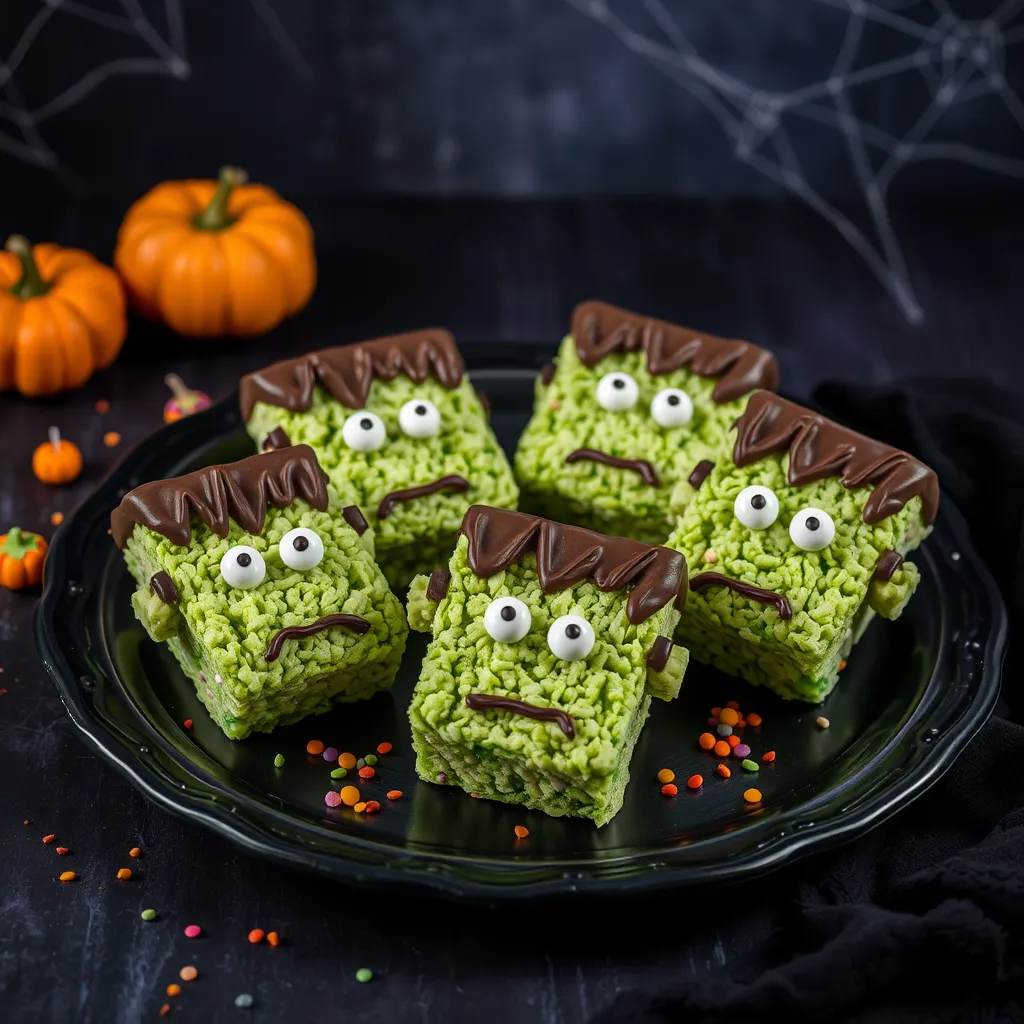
301 549
507 619
571 637
242 567
672 407
812 530
617 392
419 418
756 507
364 432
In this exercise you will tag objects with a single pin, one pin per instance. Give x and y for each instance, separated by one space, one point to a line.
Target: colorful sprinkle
148 914
721 749
364 974
330 754
734 704
729 716
339 773
360 807
349 796
188 723
706 740
111 438
754 719
332 799
134 852
769 756
716 712
384 748
723 729
821 722
750 766
741 750
189 972
669 789
49 839
68 876
193 931
752 796
521 831
666 775
273 938
842 665
347 761
372 806
56 518
165 1009
370 759
695 782
174 989
256 935
394 794
710 556
124 874
243 1000
62 851
733 740
367 772
279 760
724 771
361 763
314 747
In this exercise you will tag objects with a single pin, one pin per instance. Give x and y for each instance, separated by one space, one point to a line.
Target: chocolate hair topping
346 372
599 329
566 555
237 491
820 448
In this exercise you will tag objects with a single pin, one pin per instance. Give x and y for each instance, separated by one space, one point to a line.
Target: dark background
483 166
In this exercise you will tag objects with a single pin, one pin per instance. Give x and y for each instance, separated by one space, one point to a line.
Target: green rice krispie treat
630 418
548 643
795 543
399 430
264 587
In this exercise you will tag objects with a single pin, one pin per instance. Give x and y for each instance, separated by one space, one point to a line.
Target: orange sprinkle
165 1009
752 796
734 704
367 771
723 770
112 439
722 748
394 794
384 748
57 518
706 740
715 712
314 747
729 716
134 852
360 807
521 831
188 973
666 775
842 665
49 839
174 989
754 719
741 723
372 806
347 760
124 874
695 782
733 740
102 406
68 876
256 935
669 789
273 938
349 796
61 850
769 756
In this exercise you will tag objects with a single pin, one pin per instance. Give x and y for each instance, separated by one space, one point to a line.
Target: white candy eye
756 507
617 391
301 549
672 408
571 637
507 619
812 530
364 432
419 418
242 567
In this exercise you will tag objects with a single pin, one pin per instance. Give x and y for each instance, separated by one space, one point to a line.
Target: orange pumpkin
216 258
57 461
62 316
21 559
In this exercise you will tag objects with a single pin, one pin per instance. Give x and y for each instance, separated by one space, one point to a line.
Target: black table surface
490 271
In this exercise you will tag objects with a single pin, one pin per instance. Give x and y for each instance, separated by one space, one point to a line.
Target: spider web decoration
163 53
959 61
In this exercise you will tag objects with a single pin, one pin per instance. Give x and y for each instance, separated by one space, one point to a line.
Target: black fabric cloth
923 918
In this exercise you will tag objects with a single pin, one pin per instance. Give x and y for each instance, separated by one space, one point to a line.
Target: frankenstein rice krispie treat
399 430
263 586
548 643
630 419
795 542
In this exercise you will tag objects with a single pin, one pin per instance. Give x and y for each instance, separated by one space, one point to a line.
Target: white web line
160 56
958 62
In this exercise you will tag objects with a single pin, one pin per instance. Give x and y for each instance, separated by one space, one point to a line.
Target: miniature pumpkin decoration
62 316
21 559
57 461
216 258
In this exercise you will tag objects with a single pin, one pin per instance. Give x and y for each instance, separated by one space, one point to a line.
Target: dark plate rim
914 759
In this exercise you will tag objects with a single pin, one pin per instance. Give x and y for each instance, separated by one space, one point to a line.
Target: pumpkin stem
54 435
18 543
31 285
177 386
215 217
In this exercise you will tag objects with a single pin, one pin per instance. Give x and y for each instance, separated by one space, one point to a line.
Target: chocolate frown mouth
716 579
647 472
356 623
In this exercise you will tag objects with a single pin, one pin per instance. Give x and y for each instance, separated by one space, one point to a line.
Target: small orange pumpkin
57 461
21 559
62 316
216 258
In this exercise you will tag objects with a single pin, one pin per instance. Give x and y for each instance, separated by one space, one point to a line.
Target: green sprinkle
339 773
148 915
361 763
364 974
751 766
279 761
370 759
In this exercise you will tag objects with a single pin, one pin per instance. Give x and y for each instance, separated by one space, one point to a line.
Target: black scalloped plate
915 692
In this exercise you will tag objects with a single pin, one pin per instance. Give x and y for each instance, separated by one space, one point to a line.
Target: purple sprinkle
332 799
712 721
741 750
331 754
442 778
202 677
